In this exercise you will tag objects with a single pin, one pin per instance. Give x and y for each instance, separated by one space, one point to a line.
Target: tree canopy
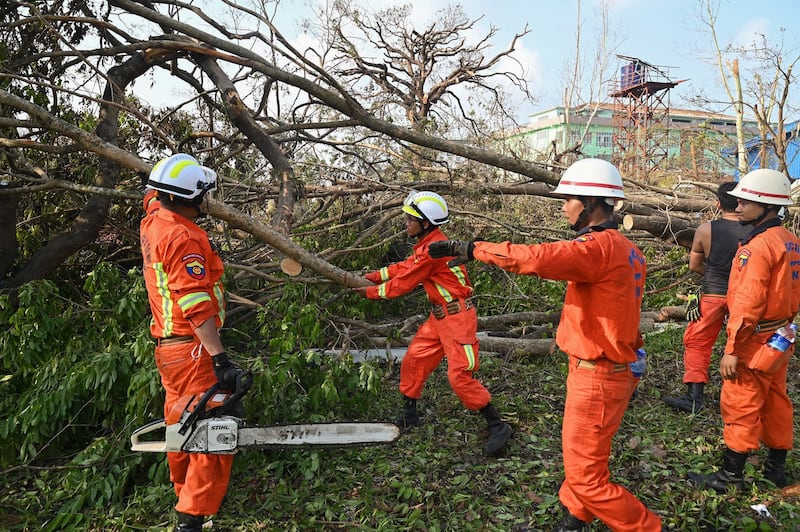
314 137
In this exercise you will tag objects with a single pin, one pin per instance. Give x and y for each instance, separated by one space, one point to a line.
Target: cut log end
627 222
291 267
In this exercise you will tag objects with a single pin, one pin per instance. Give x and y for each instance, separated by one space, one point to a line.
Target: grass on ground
436 479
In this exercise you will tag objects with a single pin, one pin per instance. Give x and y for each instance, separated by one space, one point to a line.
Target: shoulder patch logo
193 256
585 238
741 258
196 269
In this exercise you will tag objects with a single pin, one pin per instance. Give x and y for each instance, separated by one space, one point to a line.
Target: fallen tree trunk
380 335
283 243
663 226
671 313
489 344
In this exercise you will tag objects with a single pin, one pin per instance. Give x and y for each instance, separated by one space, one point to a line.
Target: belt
769 325
591 365
173 340
453 307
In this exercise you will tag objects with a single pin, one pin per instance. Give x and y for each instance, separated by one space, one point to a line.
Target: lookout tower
641 117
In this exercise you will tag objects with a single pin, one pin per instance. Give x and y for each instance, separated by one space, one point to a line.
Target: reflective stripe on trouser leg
460 341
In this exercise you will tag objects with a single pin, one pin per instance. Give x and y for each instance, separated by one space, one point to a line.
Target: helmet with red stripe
591 177
764 185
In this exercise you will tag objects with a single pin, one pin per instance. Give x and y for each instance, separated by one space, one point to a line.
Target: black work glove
460 249
227 374
693 305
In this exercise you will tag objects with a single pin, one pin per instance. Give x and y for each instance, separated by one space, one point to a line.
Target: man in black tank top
713 247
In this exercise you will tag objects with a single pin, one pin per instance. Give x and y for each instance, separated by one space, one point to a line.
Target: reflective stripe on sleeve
382 291
190 300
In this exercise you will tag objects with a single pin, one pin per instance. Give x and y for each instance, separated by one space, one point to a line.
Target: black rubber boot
410 417
730 474
189 523
499 431
570 523
692 401
775 467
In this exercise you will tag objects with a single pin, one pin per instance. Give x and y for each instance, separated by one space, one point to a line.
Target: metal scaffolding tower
641 117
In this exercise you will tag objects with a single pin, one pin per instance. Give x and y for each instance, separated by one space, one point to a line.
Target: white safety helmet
591 177
182 176
428 206
766 186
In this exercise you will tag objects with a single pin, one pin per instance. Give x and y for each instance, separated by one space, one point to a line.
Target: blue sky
660 32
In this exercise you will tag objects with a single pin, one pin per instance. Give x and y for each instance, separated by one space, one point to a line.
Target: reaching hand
460 249
360 290
693 305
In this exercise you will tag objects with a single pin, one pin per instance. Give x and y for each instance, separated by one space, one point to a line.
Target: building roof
540 120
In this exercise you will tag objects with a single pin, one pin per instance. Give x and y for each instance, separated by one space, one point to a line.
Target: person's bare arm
208 335
701 247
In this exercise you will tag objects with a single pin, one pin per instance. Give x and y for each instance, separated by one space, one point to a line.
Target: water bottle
782 338
638 367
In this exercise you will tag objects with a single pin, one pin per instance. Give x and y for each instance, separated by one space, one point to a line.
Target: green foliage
499 292
78 376
69 365
73 371
296 380
664 283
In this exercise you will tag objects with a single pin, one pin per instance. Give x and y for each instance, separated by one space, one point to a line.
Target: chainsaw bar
343 434
207 429
227 435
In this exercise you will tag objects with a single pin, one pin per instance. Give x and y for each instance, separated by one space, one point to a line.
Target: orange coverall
454 336
182 275
605 276
764 286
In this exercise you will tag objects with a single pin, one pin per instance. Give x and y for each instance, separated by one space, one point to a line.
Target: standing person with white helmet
598 330
183 279
763 297
451 328
713 248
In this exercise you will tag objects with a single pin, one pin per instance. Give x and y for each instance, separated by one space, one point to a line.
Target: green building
691 140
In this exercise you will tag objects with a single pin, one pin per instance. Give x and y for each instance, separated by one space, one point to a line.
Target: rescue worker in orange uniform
182 275
451 328
713 247
763 295
598 330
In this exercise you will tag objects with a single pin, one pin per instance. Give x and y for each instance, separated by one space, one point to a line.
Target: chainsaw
213 424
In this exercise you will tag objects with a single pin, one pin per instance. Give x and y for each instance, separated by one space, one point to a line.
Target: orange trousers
756 407
596 401
454 336
700 336
200 480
